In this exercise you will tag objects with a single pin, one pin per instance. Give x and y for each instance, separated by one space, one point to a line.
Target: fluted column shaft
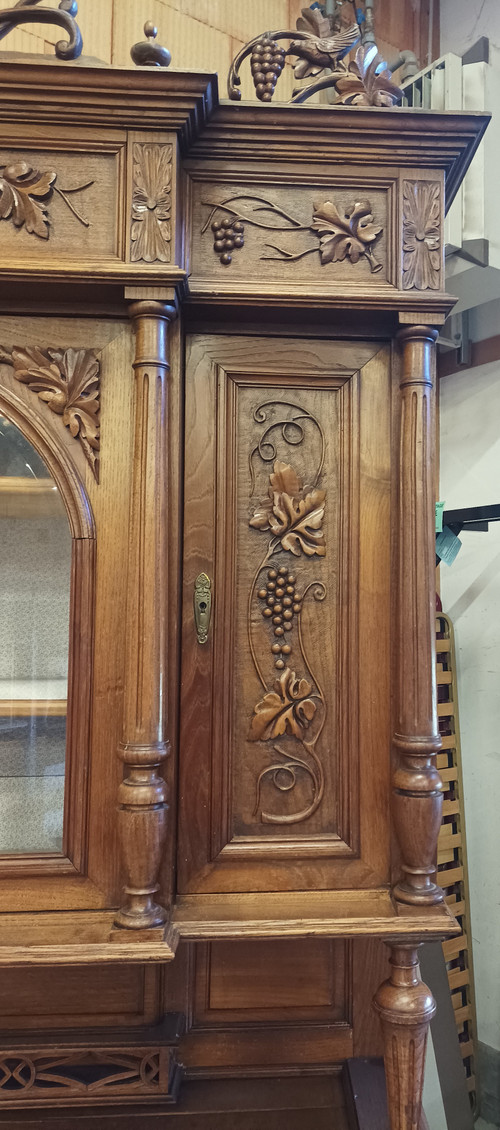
406 1007
144 747
417 786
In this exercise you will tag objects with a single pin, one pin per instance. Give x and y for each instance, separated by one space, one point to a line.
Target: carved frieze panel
150 234
58 203
68 381
323 233
422 235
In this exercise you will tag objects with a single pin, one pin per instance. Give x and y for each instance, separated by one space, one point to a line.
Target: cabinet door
285 709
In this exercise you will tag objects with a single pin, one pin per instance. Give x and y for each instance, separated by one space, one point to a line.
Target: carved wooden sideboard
217 338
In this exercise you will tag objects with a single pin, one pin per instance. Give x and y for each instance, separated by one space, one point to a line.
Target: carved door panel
285 708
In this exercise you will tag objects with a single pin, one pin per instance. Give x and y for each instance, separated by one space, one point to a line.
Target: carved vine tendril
294 705
344 233
291 437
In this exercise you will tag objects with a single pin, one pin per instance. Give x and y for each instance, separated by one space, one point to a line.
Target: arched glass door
35 573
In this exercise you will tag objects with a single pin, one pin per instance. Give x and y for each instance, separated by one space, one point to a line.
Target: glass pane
35 570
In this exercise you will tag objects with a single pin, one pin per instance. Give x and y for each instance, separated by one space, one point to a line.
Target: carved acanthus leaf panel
68 381
150 233
422 237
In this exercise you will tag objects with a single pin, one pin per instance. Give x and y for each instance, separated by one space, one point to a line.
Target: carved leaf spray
67 380
294 707
25 193
349 233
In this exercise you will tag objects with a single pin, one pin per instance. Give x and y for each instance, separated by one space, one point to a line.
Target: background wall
470 476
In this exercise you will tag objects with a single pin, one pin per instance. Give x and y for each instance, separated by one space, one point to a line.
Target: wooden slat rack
452 851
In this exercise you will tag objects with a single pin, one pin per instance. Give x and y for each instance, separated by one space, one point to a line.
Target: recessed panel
322 233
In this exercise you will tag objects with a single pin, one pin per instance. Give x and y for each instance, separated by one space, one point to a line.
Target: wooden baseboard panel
307 1103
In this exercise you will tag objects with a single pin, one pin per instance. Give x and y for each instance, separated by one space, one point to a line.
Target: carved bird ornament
329 38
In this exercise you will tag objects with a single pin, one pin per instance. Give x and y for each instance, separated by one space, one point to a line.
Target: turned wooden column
142 795
417 786
406 1007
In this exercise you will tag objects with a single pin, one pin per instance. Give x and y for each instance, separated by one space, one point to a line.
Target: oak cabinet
217 335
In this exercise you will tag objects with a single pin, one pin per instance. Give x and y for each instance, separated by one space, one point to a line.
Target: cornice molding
339 136
128 98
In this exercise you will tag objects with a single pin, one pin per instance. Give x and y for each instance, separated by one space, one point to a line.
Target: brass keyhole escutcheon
202 601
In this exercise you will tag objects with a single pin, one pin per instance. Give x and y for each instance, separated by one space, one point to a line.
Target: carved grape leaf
344 236
287 709
294 520
68 382
19 184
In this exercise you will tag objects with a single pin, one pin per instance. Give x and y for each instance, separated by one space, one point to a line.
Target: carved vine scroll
343 233
67 380
151 203
293 705
25 193
422 240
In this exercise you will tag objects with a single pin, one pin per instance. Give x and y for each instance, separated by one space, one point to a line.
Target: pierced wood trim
70 1069
417 786
142 795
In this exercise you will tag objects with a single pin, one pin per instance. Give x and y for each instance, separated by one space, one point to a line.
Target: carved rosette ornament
294 705
343 233
151 203
68 383
422 242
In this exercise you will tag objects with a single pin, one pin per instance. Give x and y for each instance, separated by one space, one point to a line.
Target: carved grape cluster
267 61
228 235
282 604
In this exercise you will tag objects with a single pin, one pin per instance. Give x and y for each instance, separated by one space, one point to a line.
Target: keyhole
203 606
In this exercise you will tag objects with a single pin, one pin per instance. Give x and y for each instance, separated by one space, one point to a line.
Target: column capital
417 332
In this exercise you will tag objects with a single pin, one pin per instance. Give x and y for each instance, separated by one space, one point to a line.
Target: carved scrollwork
343 233
25 193
151 203
422 240
26 12
68 382
293 707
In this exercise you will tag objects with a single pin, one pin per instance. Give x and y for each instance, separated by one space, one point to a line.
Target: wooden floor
313 1103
